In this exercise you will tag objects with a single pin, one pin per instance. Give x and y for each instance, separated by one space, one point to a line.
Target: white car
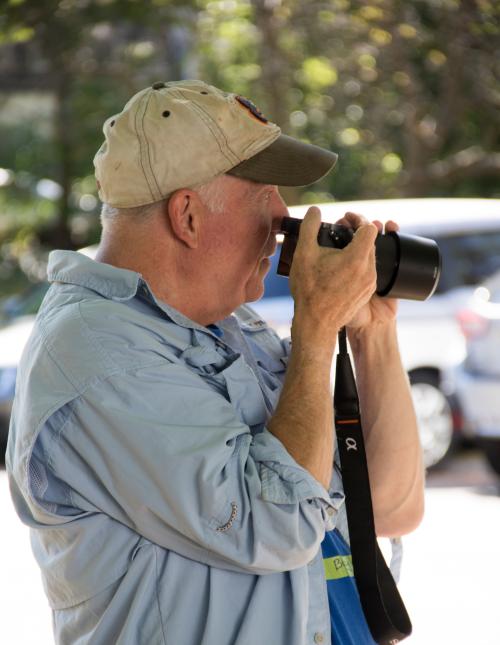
431 339
477 379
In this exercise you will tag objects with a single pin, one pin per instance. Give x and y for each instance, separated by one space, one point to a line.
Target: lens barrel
408 266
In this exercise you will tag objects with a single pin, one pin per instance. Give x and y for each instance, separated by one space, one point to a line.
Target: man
172 456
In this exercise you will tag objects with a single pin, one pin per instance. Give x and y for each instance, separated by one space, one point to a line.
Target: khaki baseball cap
182 134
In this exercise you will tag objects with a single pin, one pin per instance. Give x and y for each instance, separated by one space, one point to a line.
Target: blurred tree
417 94
80 60
438 78
407 92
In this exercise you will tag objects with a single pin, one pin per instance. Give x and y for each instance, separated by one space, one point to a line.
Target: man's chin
255 287
255 292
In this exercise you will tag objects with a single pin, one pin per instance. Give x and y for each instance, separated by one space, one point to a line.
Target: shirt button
318 637
330 511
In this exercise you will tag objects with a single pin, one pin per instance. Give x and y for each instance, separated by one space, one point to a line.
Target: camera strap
383 607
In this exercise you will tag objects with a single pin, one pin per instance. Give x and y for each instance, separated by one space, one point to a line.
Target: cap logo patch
252 108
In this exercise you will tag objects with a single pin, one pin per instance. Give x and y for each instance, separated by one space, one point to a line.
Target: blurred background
408 94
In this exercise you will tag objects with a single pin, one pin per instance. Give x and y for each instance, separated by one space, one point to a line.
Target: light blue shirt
162 511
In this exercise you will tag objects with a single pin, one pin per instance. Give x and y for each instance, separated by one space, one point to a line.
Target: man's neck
167 277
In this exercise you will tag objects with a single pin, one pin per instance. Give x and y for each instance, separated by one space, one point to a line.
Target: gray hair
213 194
112 215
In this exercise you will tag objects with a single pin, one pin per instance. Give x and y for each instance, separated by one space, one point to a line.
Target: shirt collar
111 282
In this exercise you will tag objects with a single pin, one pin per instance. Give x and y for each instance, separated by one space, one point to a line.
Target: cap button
158 85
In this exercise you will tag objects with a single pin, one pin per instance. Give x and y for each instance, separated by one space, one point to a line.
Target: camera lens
408 266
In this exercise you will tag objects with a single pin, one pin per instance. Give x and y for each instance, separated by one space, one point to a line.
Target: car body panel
480 398
477 378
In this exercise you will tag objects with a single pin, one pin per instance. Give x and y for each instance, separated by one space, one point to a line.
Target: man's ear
184 210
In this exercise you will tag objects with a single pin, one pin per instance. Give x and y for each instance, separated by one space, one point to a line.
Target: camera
408 266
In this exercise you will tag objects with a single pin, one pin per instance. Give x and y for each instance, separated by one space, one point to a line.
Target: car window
492 286
468 259
495 297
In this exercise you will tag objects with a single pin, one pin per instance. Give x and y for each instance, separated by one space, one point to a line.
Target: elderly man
171 455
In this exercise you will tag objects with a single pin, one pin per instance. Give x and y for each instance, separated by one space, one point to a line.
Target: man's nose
279 211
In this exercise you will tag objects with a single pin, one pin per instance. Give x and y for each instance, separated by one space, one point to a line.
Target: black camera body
407 266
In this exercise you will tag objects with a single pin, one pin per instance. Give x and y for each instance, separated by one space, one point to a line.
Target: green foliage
407 93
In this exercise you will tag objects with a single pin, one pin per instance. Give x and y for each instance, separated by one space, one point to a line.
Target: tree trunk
275 75
61 234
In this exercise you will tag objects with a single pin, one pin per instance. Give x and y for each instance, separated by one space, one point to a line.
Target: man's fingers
308 234
352 220
391 226
364 236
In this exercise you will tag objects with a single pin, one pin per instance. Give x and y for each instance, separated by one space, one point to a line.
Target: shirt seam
158 594
49 348
93 338
215 130
48 345
57 437
143 147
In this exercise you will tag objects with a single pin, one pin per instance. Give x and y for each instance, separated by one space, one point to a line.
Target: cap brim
287 162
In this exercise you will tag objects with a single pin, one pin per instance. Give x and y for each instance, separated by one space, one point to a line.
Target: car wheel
434 415
491 448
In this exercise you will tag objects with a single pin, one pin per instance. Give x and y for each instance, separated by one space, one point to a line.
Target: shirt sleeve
160 451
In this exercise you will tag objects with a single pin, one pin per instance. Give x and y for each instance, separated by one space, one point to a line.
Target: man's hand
331 286
328 287
377 310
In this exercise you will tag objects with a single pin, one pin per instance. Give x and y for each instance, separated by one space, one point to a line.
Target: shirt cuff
284 481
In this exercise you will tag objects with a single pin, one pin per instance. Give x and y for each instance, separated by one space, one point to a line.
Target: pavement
451 568
449 582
